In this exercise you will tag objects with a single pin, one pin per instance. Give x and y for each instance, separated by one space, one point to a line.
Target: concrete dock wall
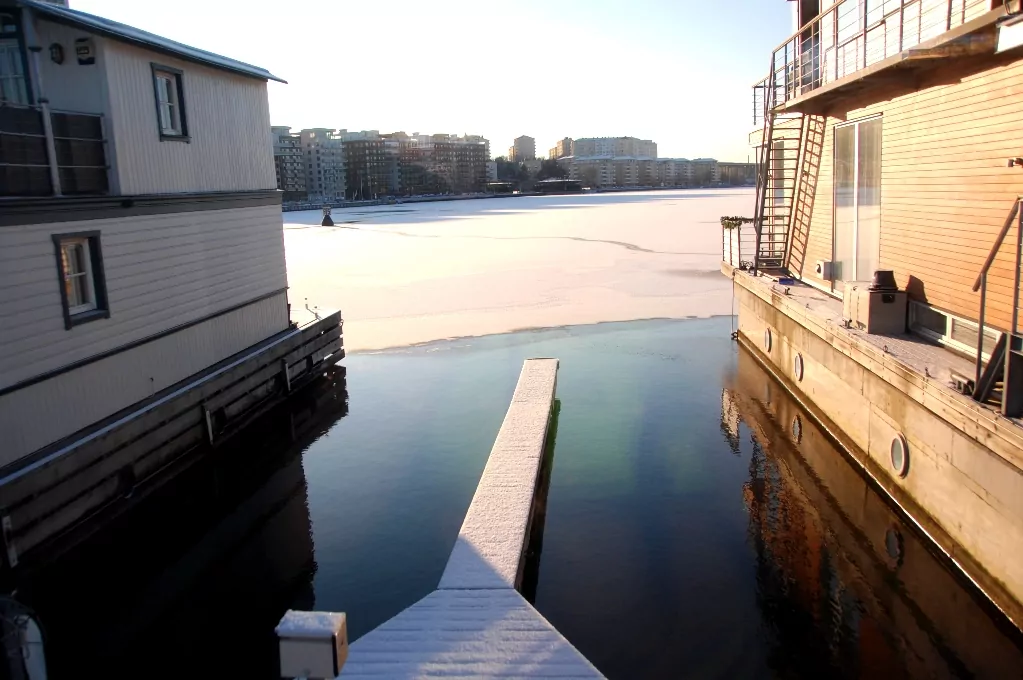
964 485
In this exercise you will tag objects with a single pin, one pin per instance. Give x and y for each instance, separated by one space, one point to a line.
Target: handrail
998 243
815 54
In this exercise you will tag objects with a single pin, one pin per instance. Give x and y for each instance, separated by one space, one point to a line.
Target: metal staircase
777 180
1001 380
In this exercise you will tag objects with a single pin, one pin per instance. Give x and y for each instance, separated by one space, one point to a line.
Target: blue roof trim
137 36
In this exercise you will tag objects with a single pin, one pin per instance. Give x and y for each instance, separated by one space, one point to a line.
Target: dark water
697 525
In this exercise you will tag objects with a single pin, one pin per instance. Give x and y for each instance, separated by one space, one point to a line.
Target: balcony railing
74 164
850 36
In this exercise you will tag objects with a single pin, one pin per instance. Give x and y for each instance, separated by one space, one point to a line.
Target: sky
679 72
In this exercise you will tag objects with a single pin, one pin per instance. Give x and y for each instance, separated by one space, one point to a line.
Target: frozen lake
418 272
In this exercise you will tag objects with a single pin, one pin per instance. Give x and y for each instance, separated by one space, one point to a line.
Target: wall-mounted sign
57 53
85 50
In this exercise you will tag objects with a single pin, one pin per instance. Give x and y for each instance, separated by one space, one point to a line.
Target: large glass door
857 173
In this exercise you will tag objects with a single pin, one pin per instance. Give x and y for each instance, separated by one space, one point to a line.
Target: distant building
705 171
372 164
479 139
612 161
288 163
614 147
563 148
491 171
532 166
737 174
324 164
437 164
524 149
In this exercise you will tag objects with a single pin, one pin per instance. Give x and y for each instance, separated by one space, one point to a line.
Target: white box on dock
312 644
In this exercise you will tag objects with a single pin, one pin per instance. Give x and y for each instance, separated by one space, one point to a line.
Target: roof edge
136 36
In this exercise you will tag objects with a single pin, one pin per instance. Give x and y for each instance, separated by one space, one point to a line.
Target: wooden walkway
476 624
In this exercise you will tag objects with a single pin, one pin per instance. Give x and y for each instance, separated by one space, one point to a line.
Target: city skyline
664 90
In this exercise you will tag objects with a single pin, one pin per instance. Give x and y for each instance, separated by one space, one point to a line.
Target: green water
688 532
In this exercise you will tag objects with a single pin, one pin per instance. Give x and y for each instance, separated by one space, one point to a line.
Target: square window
170 103
83 292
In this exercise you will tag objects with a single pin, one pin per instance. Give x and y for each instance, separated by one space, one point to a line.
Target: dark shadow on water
191 581
534 543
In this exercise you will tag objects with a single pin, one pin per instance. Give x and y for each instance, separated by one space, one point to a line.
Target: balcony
861 43
51 153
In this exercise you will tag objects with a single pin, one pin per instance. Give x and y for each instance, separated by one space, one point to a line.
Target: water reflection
191 582
844 587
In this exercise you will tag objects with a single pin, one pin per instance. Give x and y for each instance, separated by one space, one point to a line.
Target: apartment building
705 171
442 163
289 163
614 147
372 165
324 163
612 161
523 149
561 149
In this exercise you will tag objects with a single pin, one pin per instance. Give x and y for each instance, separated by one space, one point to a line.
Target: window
170 103
857 200
83 292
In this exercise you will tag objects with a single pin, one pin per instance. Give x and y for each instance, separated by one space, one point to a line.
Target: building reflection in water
191 581
843 584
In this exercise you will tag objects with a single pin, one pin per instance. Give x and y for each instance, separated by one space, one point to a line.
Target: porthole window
767 340
797 367
893 544
899 452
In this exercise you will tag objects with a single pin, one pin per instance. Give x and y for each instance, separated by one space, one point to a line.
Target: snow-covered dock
476 624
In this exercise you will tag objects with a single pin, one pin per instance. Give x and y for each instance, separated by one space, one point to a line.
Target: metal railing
51 153
1015 217
738 243
851 35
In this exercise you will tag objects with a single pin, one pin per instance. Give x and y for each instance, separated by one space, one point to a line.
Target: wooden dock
49 499
476 624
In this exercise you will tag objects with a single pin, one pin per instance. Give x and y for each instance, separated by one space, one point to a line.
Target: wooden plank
467 633
490 547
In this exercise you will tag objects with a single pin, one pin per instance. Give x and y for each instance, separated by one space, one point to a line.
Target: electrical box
825 270
881 312
312 644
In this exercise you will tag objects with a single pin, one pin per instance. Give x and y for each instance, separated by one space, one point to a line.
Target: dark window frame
99 279
179 81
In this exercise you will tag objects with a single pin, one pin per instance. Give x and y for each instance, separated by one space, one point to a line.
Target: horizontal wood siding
228 119
945 185
71 86
161 271
39 414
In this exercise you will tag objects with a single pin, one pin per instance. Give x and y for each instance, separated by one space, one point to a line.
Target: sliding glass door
857 173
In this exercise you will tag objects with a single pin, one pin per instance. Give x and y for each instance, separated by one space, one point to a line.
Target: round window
797 367
767 339
893 543
900 455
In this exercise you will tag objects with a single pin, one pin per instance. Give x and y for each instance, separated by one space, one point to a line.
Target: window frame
177 77
99 308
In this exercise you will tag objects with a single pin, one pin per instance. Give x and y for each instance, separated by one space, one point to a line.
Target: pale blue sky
676 71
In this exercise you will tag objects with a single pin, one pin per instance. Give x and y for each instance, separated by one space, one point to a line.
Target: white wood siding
71 86
228 119
40 414
161 271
